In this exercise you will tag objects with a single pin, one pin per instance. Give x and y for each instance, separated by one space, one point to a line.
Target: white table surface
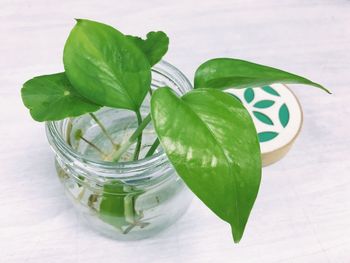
302 213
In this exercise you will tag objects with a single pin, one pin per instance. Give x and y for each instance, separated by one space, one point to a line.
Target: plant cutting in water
207 134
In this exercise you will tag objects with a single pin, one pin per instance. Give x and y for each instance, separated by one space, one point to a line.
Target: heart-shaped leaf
236 97
154 46
52 97
210 139
223 73
105 67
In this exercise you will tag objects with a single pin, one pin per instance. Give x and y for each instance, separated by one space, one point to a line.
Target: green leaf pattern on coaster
266 136
249 95
283 115
270 90
263 117
263 104
261 109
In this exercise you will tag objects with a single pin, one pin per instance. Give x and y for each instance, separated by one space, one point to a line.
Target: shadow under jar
127 200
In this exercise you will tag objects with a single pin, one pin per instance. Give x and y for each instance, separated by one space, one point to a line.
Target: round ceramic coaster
277 116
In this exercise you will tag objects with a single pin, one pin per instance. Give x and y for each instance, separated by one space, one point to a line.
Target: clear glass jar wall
125 200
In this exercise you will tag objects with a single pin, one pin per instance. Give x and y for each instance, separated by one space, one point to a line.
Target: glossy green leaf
154 46
236 97
51 97
210 139
223 73
263 117
262 104
249 95
105 67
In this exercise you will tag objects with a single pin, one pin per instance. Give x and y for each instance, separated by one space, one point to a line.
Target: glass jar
129 199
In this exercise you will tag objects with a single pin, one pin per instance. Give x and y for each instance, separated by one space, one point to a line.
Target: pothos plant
207 134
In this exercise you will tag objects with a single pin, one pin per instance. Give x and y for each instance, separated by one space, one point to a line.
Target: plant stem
139 139
69 130
93 146
153 148
125 146
104 130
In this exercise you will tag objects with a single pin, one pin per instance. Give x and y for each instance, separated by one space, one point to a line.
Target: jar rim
106 168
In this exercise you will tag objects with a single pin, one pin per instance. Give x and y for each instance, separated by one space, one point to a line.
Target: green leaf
249 95
266 136
78 134
106 67
262 104
154 46
236 97
283 115
263 117
270 90
52 97
223 73
117 207
210 139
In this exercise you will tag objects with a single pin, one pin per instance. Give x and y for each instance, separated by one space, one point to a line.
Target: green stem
139 139
125 146
69 131
93 146
104 130
153 148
